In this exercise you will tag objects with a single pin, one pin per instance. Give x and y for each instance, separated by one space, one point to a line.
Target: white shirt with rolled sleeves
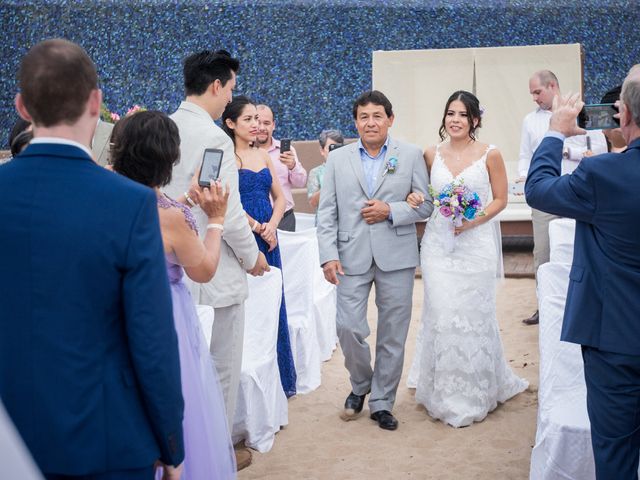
536 124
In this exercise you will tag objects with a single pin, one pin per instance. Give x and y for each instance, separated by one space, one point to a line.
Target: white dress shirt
534 127
62 141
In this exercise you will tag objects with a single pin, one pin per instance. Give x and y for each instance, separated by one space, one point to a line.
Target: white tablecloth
262 405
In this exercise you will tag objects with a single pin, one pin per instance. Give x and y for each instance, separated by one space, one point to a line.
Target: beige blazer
100 143
239 249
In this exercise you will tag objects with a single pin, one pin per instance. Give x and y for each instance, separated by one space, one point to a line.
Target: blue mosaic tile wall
308 59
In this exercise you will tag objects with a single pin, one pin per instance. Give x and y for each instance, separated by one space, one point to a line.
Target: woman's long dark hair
472 104
233 112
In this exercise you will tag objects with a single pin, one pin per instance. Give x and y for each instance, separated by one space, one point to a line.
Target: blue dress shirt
371 165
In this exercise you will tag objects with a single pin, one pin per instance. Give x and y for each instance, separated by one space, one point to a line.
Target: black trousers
288 222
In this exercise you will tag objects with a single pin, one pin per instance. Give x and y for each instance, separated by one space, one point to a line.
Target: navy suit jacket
603 195
89 368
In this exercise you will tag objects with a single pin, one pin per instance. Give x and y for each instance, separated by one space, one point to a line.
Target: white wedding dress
459 370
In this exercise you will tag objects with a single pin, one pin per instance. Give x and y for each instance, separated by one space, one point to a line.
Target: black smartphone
333 146
210 169
285 145
598 117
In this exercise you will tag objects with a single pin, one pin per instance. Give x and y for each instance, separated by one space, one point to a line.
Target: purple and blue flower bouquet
456 202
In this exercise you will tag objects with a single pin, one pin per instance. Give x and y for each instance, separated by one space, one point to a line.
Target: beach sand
317 444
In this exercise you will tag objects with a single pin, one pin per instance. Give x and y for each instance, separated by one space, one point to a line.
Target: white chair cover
15 459
206 314
262 405
563 440
304 221
324 297
324 314
299 252
562 232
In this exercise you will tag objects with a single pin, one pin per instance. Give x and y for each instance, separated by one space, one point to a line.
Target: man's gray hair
332 134
546 77
630 96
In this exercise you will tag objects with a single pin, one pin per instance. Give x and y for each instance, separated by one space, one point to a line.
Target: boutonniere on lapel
390 166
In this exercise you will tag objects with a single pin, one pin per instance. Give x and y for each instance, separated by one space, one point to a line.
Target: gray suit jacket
100 143
342 232
239 249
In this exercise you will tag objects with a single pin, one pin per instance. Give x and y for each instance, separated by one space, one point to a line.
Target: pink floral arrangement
107 115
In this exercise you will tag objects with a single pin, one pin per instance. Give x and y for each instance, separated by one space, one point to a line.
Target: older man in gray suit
367 235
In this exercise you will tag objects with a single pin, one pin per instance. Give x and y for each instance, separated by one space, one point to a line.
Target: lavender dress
208 449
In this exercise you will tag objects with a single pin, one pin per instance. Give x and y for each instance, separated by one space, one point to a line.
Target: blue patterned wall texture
307 59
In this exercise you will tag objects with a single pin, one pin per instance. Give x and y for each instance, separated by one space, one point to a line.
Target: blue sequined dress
254 194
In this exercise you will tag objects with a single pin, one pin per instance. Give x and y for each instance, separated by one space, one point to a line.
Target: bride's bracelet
215 226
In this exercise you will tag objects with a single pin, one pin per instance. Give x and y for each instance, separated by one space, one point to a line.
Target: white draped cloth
262 405
299 253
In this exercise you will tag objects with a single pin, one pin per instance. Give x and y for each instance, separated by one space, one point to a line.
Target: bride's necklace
459 154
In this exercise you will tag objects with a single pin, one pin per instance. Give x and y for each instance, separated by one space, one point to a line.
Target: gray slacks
541 248
394 291
227 336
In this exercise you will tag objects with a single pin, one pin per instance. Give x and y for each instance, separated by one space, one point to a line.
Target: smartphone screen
285 145
210 170
598 117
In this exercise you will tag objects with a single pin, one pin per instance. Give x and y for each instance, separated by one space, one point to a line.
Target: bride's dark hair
472 104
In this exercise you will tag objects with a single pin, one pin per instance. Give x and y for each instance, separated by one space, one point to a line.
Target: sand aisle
318 445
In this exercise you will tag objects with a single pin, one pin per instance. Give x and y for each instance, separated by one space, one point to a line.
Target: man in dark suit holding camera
602 311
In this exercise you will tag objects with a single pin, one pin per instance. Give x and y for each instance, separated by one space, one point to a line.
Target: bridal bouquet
456 202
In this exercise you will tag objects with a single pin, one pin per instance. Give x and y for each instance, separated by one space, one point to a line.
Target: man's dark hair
471 104
372 96
203 68
144 147
55 79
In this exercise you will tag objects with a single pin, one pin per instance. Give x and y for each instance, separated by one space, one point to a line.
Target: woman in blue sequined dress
258 185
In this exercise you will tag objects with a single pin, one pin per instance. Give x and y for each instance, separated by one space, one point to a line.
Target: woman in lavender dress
145 147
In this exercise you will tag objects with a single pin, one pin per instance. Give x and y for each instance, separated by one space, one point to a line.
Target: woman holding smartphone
258 183
145 146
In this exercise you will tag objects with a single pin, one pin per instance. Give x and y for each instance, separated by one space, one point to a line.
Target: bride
459 369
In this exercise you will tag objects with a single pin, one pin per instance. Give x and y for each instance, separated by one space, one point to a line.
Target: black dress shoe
533 319
353 406
385 419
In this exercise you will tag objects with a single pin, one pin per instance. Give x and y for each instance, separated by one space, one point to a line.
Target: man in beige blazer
210 78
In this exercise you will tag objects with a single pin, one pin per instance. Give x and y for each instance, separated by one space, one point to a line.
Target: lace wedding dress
459 369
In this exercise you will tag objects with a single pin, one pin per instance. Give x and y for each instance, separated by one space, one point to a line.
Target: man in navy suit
89 368
602 312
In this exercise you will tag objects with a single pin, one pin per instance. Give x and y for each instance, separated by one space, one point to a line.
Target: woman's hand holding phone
212 200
